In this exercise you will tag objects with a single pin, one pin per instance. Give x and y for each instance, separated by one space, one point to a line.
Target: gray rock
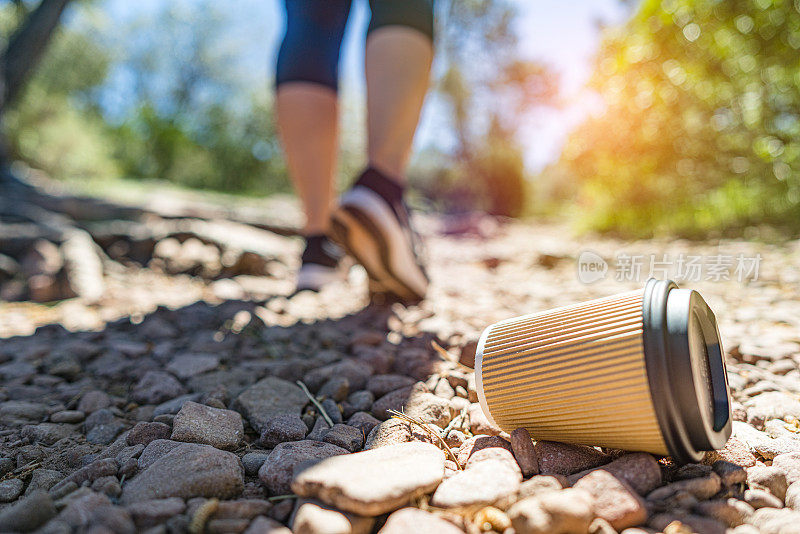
143 433
276 472
151 513
13 412
189 365
43 479
486 482
252 461
155 450
94 400
349 482
360 401
336 388
6 465
28 513
198 423
94 511
156 387
363 422
189 470
346 437
281 428
173 406
47 433
102 427
265 525
380 385
267 398
355 372
332 409
10 489
68 416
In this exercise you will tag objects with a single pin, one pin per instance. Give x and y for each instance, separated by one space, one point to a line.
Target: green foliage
701 132
53 126
185 117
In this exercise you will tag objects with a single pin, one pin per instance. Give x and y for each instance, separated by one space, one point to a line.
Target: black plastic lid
686 370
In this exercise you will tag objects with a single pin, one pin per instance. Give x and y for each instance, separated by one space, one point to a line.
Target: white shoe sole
315 277
368 230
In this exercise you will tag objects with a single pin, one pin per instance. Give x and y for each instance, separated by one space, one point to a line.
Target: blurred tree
490 91
188 118
24 49
701 130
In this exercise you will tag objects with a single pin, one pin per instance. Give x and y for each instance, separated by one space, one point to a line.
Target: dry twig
316 403
442 444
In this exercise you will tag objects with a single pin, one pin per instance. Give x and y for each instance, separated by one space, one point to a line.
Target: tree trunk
26 48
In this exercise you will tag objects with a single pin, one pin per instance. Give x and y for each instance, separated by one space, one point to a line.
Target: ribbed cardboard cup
640 371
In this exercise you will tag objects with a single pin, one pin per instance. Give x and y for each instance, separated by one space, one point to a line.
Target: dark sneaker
376 232
320 264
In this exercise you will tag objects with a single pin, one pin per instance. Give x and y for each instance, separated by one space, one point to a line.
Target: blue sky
565 35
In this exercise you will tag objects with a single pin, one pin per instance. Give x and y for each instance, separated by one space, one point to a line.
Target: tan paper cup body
582 374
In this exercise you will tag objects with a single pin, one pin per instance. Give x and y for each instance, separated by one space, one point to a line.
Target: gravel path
182 405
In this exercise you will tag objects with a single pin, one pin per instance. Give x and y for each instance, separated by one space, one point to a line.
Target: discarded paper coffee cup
639 371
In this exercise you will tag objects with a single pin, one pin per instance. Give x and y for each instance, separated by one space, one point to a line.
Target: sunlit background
639 118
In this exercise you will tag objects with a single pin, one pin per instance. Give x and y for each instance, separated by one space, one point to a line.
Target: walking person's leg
307 116
372 220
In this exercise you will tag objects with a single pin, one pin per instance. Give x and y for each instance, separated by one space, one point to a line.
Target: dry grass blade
281 497
443 352
315 402
442 444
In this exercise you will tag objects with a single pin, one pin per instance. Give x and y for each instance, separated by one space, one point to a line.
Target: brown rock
419 522
614 500
390 432
558 512
790 464
479 423
485 482
373 482
731 512
316 518
640 470
735 451
565 459
476 443
524 452
701 488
